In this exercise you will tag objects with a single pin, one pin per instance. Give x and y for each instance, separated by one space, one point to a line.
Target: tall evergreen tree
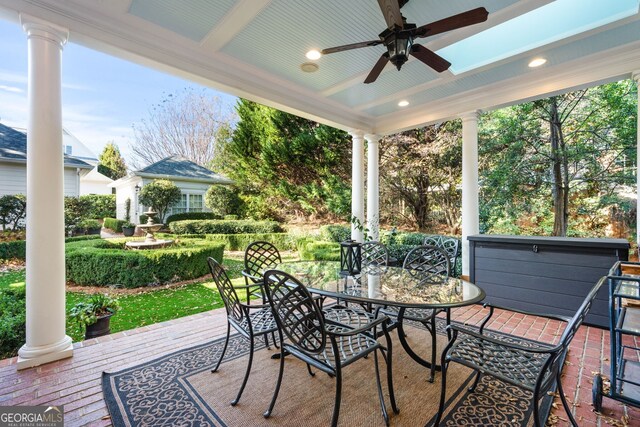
287 166
111 162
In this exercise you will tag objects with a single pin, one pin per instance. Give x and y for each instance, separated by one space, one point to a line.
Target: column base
28 357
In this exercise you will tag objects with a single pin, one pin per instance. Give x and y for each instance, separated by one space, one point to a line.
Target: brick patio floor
75 382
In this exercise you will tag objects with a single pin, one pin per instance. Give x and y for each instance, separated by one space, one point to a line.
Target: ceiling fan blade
350 46
377 69
391 12
464 19
430 58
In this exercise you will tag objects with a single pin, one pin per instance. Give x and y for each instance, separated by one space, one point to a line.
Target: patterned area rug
179 389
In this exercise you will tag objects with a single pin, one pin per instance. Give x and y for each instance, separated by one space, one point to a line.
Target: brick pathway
75 382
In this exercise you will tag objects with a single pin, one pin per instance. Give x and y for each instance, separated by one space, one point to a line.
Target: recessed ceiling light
537 62
309 67
313 55
403 103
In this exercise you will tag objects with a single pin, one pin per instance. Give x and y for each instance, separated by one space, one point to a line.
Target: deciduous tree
190 124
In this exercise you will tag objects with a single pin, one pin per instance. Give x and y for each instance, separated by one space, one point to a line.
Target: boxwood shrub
190 215
224 227
335 233
239 242
12 321
106 263
18 248
114 224
313 250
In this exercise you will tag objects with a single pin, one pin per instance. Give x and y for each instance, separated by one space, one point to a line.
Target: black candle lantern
350 258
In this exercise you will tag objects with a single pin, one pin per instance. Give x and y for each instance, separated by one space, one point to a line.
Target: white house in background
192 179
13 165
92 182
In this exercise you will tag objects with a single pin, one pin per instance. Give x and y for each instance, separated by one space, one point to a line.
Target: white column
636 77
357 184
470 209
373 186
46 335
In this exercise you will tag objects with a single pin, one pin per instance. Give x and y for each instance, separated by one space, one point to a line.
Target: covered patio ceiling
254 49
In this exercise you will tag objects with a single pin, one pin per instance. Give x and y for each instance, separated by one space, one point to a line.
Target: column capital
36 27
636 76
372 137
470 115
356 134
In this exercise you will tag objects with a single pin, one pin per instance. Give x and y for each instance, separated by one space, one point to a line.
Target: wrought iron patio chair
258 256
250 320
534 367
321 342
374 253
434 262
450 245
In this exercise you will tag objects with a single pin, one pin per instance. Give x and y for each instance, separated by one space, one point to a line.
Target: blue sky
102 96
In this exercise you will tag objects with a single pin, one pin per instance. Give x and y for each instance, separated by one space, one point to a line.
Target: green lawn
155 306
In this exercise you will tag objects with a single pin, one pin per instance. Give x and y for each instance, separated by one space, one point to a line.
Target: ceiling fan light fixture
536 62
399 47
309 67
403 103
313 54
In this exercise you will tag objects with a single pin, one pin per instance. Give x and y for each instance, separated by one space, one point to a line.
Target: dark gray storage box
544 274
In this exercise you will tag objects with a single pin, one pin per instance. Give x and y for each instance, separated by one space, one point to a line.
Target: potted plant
95 314
128 228
90 226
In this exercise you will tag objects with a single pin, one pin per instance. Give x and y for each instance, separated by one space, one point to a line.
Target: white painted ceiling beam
589 71
240 15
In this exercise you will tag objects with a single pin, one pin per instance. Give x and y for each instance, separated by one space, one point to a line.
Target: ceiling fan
399 37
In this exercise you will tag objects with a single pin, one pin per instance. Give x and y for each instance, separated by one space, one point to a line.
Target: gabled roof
13 148
177 167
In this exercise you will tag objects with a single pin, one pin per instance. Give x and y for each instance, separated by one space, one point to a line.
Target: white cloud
11 89
11 77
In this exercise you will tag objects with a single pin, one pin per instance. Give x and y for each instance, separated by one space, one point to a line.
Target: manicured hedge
335 233
99 205
239 242
224 227
313 250
80 238
12 321
190 215
114 224
107 264
18 248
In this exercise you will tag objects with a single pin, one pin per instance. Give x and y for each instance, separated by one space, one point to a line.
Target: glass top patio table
384 285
